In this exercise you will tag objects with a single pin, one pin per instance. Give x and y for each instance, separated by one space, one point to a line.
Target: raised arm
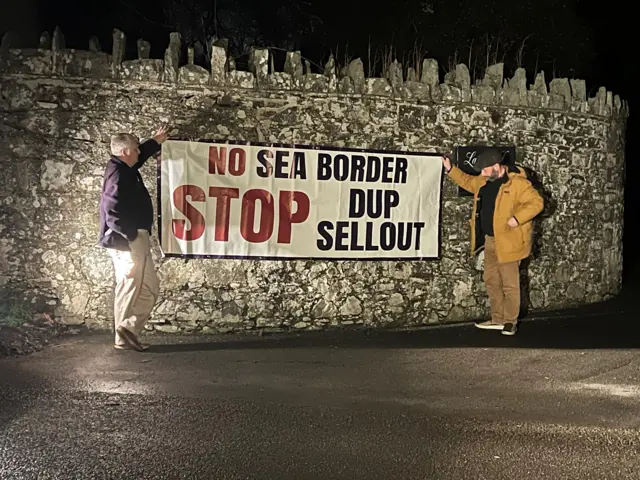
468 182
151 146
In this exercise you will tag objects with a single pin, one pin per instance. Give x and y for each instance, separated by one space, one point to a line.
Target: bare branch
144 17
520 56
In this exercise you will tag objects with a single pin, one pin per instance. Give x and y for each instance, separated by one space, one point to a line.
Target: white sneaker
489 325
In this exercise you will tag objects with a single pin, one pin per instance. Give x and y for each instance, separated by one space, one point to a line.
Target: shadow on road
19 389
601 326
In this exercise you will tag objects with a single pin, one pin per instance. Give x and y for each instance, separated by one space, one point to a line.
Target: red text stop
186 195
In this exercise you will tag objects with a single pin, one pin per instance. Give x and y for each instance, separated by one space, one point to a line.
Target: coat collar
507 183
119 161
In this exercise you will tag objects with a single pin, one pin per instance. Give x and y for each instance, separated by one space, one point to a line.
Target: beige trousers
137 285
503 285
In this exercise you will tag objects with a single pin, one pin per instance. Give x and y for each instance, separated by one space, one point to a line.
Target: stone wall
58 108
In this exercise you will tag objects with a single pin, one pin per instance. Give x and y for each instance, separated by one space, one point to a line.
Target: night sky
564 38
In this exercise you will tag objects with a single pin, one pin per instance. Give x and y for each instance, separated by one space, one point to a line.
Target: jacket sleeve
468 182
114 196
530 204
147 150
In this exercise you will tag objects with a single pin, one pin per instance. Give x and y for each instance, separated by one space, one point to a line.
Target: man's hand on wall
447 163
161 135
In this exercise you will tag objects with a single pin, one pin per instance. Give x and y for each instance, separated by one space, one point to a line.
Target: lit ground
559 400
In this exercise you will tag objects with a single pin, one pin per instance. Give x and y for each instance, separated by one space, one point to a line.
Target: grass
482 53
478 55
13 314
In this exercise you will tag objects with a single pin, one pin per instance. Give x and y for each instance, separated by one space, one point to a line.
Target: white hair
121 141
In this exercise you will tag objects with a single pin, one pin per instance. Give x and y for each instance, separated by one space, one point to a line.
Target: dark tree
244 23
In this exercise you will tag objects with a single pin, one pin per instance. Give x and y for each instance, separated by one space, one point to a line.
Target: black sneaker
509 329
131 340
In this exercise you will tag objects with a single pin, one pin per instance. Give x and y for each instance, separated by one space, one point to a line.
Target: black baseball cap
487 158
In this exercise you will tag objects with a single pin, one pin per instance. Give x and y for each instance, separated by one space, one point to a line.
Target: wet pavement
560 400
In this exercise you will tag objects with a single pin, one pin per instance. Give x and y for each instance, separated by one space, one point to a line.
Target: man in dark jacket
126 220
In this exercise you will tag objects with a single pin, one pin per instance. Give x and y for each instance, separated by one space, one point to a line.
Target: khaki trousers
137 285
503 285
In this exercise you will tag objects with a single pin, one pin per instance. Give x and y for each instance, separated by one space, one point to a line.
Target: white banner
252 201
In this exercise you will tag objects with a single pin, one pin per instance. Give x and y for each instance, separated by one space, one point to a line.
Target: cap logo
471 159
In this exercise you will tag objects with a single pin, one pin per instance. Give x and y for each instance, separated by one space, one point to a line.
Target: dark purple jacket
125 203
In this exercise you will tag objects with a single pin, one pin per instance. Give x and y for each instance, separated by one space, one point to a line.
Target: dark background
565 39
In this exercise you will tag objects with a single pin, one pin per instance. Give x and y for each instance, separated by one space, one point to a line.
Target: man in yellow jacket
504 205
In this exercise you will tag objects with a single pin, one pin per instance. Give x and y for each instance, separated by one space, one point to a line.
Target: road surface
560 400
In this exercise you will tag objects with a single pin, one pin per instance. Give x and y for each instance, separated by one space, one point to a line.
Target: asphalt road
560 400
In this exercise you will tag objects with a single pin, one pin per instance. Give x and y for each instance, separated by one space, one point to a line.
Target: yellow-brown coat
516 198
